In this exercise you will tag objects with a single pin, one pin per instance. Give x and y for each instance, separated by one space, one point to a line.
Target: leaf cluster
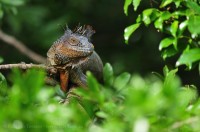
178 20
124 103
10 6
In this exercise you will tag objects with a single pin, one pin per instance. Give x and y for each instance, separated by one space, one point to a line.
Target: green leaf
165 15
169 52
165 3
1 13
129 30
108 74
165 70
171 84
1 60
3 85
139 19
146 16
166 42
177 3
159 22
92 82
13 2
182 27
193 24
186 12
158 75
174 28
193 6
136 3
102 114
149 15
121 80
126 5
188 57
29 83
187 95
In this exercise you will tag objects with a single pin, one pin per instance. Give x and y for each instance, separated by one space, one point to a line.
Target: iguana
72 55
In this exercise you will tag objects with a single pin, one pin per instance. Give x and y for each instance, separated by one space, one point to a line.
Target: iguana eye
73 41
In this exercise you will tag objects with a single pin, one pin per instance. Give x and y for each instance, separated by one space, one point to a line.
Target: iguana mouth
72 63
83 49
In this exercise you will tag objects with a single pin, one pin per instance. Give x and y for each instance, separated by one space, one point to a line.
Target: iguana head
72 47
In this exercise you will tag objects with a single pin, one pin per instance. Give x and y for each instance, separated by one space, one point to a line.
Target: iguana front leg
77 77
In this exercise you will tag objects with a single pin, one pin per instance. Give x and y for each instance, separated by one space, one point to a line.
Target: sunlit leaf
3 85
174 28
171 84
188 57
126 5
13 2
136 3
108 74
165 70
165 15
187 95
166 42
121 80
102 114
92 82
159 22
193 24
182 27
165 3
139 19
129 30
169 52
193 6
177 3
149 15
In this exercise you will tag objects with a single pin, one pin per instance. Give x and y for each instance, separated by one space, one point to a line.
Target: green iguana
72 55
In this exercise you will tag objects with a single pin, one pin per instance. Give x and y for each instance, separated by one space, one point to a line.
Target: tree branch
23 66
21 47
49 69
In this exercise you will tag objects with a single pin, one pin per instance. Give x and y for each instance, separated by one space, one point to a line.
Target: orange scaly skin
72 55
64 78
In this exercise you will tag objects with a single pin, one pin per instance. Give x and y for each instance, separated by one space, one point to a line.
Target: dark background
39 23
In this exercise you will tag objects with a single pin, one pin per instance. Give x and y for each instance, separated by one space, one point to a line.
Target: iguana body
72 55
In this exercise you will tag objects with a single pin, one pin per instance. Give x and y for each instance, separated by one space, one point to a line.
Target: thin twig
23 66
21 47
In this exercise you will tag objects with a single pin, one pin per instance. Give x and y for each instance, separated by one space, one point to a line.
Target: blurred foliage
124 103
10 6
39 23
178 19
